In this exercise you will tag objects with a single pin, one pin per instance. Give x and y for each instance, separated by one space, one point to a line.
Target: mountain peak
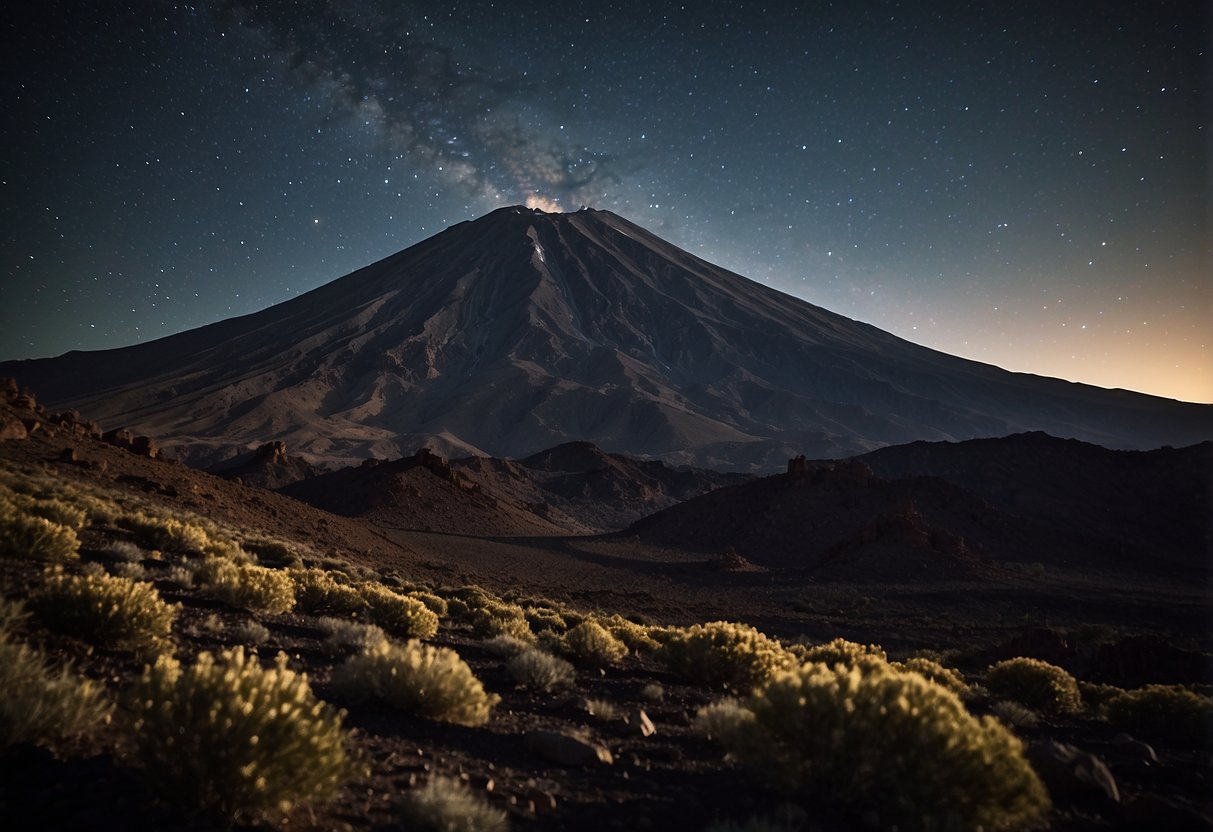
525 329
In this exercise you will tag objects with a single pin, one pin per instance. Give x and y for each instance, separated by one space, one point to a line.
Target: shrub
723 652
505 646
166 533
418 678
106 610
652 692
1014 714
500 620
601 709
125 569
246 586
49 508
249 632
1170 712
272 552
123 551
545 618
25 536
839 651
635 636
436 603
590 643
873 739
317 591
1096 694
40 704
232 738
541 671
398 613
936 672
345 635
446 805
1039 685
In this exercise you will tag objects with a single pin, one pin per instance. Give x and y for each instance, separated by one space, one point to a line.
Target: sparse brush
122 550
937 673
535 670
1039 685
350 636
23 535
590 643
106 610
601 709
838 651
165 533
1013 714
181 577
723 652
505 646
318 591
432 682
1169 712
871 739
245 586
252 633
399 614
652 692
272 552
48 508
233 739
125 569
447 805
40 704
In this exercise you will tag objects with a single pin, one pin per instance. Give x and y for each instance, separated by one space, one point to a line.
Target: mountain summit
522 330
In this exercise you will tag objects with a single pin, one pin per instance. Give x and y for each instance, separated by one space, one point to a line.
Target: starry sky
1026 184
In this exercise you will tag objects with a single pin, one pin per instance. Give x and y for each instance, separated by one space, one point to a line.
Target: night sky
1022 183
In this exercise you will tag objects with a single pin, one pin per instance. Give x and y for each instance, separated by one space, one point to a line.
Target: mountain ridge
521 330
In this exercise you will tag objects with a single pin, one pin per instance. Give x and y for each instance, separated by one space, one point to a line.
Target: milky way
1025 184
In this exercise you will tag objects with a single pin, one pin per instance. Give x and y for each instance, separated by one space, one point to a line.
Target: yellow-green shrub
591 643
1170 712
545 618
436 603
873 739
317 591
165 533
937 673
838 651
106 610
232 738
398 614
40 704
722 652
418 678
500 620
1039 685
246 586
47 507
635 636
23 535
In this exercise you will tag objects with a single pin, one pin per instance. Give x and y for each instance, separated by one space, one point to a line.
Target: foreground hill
522 330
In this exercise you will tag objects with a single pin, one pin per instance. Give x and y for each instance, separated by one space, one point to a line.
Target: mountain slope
522 330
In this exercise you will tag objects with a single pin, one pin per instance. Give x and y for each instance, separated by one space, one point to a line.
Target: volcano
522 330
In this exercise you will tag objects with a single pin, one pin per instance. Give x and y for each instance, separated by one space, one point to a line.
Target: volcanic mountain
523 330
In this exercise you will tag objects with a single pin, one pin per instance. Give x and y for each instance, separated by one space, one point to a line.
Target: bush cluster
247 586
106 610
839 651
165 533
722 652
417 678
937 673
40 704
500 620
871 739
447 805
398 614
592 644
1039 685
232 738
1169 712
317 591
23 535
